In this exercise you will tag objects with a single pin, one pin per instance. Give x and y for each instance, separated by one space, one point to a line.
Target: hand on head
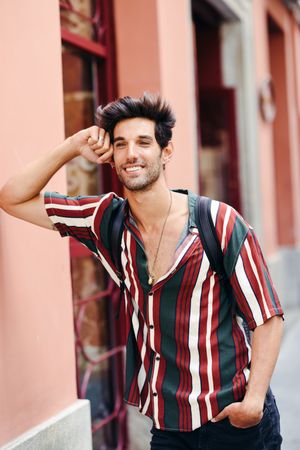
93 144
99 142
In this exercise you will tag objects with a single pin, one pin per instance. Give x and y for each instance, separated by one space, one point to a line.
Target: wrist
68 150
254 403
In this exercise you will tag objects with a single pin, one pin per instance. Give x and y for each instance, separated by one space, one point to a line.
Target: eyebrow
142 136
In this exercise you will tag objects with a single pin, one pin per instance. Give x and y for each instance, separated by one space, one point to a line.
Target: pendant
150 280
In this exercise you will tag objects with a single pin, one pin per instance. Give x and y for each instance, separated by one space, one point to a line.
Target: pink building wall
288 159
154 56
36 346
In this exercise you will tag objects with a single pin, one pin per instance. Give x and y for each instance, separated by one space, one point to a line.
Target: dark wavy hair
150 106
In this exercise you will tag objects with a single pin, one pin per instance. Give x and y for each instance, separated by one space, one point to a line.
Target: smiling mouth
132 169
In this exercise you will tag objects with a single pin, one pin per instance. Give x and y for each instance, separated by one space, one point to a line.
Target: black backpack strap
115 245
116 237
212 247
209 236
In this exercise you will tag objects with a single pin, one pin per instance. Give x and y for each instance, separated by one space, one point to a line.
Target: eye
145 143
120 145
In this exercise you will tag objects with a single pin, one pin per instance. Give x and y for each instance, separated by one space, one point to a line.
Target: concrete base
139 427
285 269
68 430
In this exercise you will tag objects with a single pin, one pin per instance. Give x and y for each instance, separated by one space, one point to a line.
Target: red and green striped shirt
187 355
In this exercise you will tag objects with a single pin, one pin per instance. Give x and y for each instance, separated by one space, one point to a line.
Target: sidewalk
286 381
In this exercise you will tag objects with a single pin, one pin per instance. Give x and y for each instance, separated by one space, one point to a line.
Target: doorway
216 108
280 130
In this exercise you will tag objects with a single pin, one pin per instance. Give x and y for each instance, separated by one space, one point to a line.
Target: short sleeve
245 265
88 219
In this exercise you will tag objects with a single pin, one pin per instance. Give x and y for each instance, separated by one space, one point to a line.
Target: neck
149 207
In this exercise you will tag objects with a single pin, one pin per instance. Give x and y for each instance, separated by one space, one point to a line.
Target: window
88 80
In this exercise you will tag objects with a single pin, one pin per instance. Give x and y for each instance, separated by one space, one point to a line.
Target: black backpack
207 234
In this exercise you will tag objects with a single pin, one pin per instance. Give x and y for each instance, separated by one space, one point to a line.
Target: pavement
286 382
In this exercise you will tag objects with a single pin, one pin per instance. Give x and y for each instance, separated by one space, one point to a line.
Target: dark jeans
224 436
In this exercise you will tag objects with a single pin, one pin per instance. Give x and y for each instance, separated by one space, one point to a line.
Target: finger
106 157
102 142
106 143
94 132
222 415
104 147
97 147
96 138
93 142
101 136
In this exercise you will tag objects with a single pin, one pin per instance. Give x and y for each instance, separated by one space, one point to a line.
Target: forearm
21 195
32 178
265 350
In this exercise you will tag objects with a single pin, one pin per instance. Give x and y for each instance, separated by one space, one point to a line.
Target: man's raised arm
21 196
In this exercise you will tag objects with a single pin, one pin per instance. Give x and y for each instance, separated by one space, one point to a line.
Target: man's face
137 155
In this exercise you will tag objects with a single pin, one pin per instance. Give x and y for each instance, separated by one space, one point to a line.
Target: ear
167 153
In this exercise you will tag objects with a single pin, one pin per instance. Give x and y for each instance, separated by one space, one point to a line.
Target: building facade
231 71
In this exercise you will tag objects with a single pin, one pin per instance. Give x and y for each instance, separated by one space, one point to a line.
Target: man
188 357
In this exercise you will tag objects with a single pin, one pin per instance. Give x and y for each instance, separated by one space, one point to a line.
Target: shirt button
157 358
151 326
154 394
150 294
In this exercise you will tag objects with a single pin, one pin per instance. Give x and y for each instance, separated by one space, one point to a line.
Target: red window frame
104 81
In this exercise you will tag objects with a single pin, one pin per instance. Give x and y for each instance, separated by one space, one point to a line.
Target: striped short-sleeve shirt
187 355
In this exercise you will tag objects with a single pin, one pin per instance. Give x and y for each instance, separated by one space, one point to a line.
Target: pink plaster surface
294 91
136 47
291 148
265 133
155 56
36 329
178 86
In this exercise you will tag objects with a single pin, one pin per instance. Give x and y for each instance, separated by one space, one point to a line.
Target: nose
131 150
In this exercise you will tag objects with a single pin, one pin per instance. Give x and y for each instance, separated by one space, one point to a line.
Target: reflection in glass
79 17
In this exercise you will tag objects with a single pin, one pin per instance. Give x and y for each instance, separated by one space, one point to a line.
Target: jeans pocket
264 418
247 429
225 436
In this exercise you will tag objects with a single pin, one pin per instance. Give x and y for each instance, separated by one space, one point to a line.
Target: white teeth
133 169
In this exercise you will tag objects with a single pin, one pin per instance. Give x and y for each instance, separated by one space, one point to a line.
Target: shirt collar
191 205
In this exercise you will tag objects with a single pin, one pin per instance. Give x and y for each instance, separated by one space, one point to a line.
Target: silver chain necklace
151 272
